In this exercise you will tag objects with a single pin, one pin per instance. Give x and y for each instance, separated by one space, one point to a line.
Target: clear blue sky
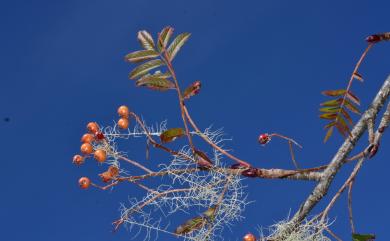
263 65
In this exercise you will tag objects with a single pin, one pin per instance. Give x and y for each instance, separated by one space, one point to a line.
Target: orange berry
123 123
123 111
87 138
249 237
86 148
100 155
84 182
78 160
92 127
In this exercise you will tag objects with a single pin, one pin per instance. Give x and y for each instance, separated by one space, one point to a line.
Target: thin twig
350 205
137 164
244 163
343 187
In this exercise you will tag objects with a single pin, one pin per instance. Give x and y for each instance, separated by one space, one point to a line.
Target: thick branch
338 160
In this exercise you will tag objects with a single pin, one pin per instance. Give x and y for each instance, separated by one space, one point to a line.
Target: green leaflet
335 102
352 97
197 222
141 55
171 134
146 40
328 116
330 109
362 237
156 83
145 68
191 225
177 43
164 37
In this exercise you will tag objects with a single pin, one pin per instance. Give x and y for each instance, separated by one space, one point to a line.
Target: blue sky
262 64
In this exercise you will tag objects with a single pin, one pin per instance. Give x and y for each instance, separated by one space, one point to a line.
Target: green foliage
336 111
177 43
155 82
144 68
146 40
362 237
164 37
171 134
155 58
141 55
196 222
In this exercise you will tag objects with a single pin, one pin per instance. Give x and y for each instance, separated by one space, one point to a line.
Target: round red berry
87 138
100 155
123 111
249 237
78 160
123 123
84 182
92 127
264 138
86 148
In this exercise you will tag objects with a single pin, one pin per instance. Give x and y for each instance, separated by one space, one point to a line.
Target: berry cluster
95 137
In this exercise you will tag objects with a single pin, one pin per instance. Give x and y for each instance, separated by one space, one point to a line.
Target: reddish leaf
351 107
358 76
171 134
202 159
330 125
329 133
342 127
333 92
192 90
346 115
352 97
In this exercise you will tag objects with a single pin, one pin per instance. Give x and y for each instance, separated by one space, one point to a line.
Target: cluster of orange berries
100 155
123 112
86 148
